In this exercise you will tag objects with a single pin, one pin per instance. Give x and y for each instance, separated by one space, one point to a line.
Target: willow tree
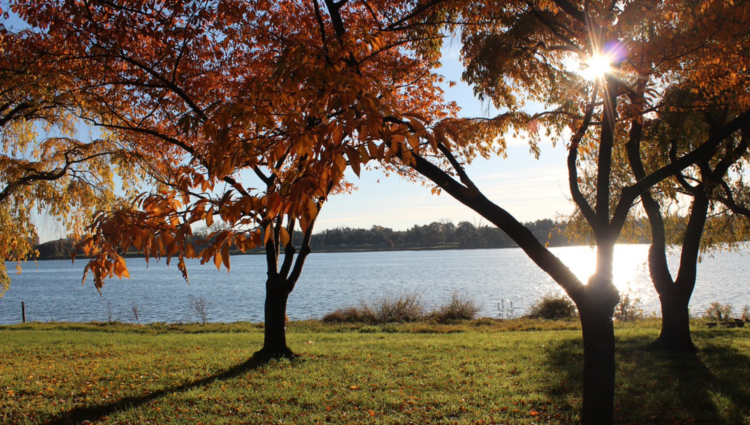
711 186
45 166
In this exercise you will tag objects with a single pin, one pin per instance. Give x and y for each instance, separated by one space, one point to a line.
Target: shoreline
333 249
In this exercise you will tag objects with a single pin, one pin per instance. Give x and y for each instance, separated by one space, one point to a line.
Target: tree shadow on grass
98 412
655 387
565 365
730 367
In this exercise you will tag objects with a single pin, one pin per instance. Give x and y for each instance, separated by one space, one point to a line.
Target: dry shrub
553 307
459 308
406 308
388 309
361 314
629 309
719 312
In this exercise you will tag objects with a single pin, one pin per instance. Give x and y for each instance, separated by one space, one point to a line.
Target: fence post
23 311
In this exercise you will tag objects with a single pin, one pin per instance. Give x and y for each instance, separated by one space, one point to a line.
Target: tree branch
575 190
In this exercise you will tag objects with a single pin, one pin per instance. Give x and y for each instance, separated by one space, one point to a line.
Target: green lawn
516 372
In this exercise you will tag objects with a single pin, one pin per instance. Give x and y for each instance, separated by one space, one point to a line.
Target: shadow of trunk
97 412
654 387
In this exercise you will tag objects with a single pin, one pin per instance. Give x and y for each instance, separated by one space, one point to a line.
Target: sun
597 66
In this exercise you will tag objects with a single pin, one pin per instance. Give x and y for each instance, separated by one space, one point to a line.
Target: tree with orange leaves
208 91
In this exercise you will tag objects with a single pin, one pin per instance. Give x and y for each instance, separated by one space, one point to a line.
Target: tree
527 45
711 184
668 115
467 235
168 82
44 165
523 49
207 91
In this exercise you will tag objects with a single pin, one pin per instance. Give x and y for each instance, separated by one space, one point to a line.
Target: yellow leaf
210 217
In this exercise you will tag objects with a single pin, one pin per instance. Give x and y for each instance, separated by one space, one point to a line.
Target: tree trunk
596 310
675 324
675 331
274 341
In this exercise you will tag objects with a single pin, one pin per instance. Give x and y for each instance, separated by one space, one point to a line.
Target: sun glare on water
630 270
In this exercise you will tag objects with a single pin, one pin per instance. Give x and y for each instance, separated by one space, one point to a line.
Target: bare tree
200 308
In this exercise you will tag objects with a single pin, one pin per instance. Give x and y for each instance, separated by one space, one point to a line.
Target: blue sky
529 189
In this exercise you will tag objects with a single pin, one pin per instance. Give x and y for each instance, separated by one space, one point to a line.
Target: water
52 290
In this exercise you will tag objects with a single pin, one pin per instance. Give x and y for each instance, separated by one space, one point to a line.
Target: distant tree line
435 235
442 234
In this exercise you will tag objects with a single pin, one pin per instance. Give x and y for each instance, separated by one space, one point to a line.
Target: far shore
330 249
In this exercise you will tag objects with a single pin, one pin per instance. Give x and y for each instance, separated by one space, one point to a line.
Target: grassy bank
514 372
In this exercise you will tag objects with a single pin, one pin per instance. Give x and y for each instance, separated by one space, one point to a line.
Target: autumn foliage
239 117
225 88
46 163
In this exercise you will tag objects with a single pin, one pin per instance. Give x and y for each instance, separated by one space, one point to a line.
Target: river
52 290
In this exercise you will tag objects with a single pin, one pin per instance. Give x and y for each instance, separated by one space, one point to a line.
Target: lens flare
597 67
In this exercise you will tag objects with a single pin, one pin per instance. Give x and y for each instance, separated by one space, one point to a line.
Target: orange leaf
181 266
190 250
338 134
225 255
120 270
217 260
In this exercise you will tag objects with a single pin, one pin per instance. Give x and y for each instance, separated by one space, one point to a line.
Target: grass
486 371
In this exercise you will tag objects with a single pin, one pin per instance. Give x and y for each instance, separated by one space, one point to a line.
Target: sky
528 188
